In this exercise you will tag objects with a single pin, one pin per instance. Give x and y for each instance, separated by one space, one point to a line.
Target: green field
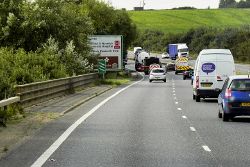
177 21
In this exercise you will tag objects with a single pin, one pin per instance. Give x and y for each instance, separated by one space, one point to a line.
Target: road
145 125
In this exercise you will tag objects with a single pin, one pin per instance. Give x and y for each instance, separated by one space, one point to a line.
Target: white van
212 67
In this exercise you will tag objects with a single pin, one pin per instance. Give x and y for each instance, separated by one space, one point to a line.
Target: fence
34 93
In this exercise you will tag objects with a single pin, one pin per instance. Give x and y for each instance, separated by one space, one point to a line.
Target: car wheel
164 80
184 77
225 117
193 97
176 72
150 80
197 98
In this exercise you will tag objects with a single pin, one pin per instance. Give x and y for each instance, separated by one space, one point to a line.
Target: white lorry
178 50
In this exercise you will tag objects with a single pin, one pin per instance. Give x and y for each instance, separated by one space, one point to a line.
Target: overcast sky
164 4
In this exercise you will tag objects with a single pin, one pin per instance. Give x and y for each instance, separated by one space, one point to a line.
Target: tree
227 4
222 4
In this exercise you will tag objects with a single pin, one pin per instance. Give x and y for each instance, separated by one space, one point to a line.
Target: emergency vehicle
181 65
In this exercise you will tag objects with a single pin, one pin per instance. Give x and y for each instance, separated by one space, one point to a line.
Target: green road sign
102 66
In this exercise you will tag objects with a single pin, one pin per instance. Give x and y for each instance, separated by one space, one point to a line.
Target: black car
188 74
170 67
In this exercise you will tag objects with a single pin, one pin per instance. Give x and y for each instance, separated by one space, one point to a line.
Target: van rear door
207 73
224 69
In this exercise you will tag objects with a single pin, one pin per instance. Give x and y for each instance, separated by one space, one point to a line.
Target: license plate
245 104
206 85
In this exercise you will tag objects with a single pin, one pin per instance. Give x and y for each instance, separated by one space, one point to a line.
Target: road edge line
45 156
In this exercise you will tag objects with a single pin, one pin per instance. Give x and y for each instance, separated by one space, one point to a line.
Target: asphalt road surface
145 125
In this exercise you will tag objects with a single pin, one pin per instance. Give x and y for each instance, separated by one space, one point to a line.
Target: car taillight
197 81
219 78
228 93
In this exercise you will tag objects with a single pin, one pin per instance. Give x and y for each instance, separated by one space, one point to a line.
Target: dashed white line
174 94
206 148
173 91
175 98
192 129
184 117
176 102
179 109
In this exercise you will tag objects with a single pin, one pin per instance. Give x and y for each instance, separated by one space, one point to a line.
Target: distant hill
176 21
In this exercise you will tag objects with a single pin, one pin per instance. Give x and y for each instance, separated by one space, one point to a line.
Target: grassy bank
178 21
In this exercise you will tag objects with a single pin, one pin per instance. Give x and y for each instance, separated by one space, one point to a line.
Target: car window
240 85
158 71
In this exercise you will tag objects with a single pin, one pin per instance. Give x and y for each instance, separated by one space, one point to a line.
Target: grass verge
20 129
114 79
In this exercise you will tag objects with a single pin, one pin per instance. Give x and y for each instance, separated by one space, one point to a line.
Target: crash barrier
3 104
34 93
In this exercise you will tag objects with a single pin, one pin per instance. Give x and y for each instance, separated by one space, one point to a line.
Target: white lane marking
206 148
173 88
192 129
174 94
173 91
176 102
184 117
45 156
175 98
179 109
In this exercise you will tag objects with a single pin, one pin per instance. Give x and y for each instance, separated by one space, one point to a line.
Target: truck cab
178 50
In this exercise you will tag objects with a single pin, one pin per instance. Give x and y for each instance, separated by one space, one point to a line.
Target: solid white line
192 129
45 156
206 148
179 109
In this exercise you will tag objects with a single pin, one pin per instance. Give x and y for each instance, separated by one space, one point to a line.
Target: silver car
157 74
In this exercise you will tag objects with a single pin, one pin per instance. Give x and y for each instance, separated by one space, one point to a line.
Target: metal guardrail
9 101
3 104
34 93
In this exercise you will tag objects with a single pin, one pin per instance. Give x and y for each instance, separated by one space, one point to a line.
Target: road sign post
102 68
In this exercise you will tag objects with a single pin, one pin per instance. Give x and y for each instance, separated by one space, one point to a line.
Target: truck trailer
178 50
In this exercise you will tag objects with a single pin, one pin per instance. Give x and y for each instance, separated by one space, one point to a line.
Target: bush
235 39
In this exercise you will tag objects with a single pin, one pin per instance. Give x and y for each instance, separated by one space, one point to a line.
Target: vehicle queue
214 76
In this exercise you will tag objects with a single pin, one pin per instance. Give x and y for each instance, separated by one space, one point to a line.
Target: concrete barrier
34 93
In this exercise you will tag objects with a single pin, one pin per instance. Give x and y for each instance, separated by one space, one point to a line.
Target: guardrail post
71 89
